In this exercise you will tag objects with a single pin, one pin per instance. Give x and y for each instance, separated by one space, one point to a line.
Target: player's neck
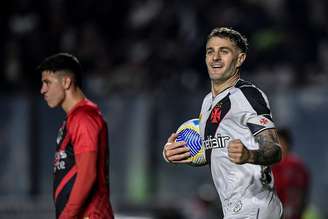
72 98
219 86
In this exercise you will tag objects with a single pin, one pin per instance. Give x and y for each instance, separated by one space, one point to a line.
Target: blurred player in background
292 179
238 133
81 184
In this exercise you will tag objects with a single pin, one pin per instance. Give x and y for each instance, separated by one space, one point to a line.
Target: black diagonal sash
216 116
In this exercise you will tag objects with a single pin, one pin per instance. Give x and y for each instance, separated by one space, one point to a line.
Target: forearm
269 151
86 177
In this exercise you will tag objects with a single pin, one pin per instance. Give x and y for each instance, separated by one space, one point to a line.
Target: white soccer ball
189 133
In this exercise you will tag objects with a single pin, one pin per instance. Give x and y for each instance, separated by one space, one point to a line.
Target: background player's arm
86 177
84 130
269 151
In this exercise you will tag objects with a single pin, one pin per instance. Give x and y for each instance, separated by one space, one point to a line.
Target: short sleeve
259 116
84 129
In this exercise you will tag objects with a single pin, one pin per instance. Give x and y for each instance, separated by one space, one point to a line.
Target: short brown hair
231 34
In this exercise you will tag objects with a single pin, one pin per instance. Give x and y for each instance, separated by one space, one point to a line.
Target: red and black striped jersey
84 130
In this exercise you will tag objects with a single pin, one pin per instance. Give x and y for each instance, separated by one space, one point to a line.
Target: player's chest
64 155
219 124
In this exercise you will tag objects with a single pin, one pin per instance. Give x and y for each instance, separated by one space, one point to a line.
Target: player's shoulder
248 88
85 111
245 90
294 159
87 108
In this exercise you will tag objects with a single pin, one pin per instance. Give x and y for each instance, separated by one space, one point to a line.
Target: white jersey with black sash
239 112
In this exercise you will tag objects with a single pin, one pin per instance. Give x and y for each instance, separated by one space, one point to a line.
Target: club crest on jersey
216 142
61 133
216 114
264 121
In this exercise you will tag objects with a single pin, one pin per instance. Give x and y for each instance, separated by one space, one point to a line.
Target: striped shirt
239 112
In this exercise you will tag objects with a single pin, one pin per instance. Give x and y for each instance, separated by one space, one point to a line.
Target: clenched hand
237 152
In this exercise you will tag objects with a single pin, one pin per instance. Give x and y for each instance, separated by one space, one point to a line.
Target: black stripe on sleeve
255 99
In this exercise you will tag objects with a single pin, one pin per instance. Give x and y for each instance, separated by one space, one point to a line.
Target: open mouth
217 65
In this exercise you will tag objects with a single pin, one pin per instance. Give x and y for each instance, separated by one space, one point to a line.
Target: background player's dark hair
233 35
63 62
286 134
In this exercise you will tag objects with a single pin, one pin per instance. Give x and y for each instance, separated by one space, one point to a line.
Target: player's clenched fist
237 152
176 152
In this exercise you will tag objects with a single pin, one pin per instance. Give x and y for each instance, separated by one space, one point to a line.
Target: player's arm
269 151
176 152
84 131
86 178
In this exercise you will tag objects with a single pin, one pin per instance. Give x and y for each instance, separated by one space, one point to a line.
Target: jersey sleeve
84 129
259 116
86 177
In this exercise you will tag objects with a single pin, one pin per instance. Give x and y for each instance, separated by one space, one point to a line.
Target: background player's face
52 88
222 58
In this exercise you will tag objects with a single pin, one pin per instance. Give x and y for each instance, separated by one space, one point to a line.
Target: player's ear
241 58
67 82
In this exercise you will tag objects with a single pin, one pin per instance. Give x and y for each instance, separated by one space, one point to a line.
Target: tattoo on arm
269 151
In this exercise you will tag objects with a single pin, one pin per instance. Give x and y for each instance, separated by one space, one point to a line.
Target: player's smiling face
223 58
52 88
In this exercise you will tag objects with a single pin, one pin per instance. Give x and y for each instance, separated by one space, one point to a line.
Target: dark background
144 66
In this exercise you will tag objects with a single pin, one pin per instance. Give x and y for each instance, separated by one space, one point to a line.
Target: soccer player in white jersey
238 133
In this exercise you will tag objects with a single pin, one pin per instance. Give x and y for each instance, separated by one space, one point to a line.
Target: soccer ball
189 133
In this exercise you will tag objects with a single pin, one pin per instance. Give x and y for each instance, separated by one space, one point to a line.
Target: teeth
217 65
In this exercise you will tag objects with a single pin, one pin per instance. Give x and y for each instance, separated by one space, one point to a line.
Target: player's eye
224 51
209 52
